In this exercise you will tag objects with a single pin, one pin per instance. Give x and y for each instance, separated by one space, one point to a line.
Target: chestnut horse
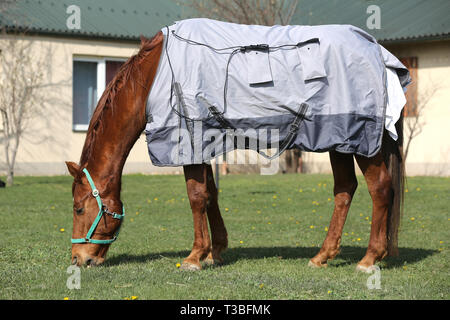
119 120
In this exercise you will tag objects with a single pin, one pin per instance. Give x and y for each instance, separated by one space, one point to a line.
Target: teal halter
102 209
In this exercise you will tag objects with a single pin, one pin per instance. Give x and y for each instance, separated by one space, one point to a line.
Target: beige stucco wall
50 139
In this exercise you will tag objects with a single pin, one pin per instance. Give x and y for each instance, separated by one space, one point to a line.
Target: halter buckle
95 193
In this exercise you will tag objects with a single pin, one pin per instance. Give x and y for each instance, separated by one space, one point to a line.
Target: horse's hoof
213 262
186 266
315 265
364 269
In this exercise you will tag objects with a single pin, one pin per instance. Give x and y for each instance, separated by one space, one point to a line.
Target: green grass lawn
275 225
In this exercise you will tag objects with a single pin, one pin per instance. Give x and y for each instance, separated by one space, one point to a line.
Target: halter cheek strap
102 209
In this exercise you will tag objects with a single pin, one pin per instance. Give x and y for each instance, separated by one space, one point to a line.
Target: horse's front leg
345 185
197 190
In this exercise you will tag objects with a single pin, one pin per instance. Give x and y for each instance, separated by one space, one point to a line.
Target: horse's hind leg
218 231
379 184
197 190
345 184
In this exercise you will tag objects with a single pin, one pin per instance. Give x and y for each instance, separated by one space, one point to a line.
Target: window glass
84 91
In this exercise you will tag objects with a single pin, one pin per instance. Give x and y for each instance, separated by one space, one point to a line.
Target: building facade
84 60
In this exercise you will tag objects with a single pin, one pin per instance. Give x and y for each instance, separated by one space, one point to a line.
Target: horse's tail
393 157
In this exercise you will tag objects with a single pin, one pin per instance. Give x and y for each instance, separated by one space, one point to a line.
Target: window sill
80 127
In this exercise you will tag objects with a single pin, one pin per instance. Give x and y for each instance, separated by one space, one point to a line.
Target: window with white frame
90 78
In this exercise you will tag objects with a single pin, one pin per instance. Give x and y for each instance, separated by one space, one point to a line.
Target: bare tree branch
414 124
21 77
262 12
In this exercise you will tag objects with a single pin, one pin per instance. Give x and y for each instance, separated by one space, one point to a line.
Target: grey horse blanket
224 86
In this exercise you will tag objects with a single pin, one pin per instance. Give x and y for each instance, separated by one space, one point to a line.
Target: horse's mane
129 68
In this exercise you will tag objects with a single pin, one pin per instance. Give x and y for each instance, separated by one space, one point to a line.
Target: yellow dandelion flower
226 209
329 199
137 212
241 242
346 234
329 291
326 229
134 297
261 285
300 190
149 201
52 207
258 211
311 227
361 214
275 196
405 267
367 218
62 230
131 220
359 239
289 199
178 265
314 210
269 222
156 199
296 222
412 218
417 189
66 298
274 204
220 190
406 190
324 185
441 242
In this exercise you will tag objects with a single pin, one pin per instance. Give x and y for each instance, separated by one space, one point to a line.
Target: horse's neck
123 124
111 147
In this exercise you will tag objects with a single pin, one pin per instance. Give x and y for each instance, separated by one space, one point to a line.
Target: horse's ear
143 39
73 168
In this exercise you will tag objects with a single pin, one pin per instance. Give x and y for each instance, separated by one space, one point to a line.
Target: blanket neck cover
224 86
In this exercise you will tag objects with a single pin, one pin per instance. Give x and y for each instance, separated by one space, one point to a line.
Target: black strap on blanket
224 123
295 125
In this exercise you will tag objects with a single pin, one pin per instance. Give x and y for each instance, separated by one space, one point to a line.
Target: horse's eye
79 211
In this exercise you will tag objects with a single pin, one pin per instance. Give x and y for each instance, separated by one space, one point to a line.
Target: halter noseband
102 209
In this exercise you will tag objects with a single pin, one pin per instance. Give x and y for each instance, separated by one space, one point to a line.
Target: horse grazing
118 121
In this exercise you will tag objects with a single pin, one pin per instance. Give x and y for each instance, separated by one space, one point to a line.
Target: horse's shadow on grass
349 255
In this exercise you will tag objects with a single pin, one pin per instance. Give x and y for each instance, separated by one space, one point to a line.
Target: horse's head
97 216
